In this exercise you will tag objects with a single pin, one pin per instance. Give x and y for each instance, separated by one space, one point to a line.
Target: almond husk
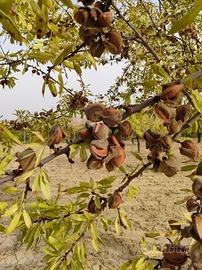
114 200
171 92
55 136
175 255
93 163
94 112
190 149
197 187
125 129
100 131
170 166
97 48
113 42
27 159
105 19
111 117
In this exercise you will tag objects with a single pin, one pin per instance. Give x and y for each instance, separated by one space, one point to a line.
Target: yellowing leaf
14 223
188 18
52 88
61 57
197 100
9 134
27 219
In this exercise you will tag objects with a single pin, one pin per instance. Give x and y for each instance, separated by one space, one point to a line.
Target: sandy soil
149 211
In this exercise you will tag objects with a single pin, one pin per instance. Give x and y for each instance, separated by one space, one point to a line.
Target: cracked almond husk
171 92
175 255
87 33
115 200
191 205
111 117
112 152
99 5
105 19
93 163
110 166
100 131
97 48
151 138
55 135
114 42
164 112
94 112
197 225
99 148
27 159
119 159
86 16
166 143
125 129
196 256
197 187
85 134
170 166
174 126
190 149
199 169
183 112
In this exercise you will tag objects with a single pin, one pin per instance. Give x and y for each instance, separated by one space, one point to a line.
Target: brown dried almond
125 129
94 163
105 19
85 134
151 137
190 149
175 255
191 205
164 112
111 117
55 135
199 169
197 187
81 16
183 112
94 112
171 92
27 159
97 48
114 42
100 131
197 224
87 33
170 166
114 200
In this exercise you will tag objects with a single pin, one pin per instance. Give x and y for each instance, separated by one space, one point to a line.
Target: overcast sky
27 92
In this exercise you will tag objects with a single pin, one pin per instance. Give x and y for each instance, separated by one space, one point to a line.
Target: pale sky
26 95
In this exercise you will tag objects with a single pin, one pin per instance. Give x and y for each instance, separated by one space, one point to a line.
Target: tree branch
47 159
141 38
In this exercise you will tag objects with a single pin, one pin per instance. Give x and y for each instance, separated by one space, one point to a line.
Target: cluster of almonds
105 147
96 30
173 117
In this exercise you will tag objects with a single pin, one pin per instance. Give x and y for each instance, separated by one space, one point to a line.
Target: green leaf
197 100
38 135
10 135
22 178
83 154
188 168
14 223
61 57
4 163
97 202
60 79
152 234
125 266
11 210
3 206
117 225
136 155
10 189
78 217
45 185
132 192
27 219
188 18
52 88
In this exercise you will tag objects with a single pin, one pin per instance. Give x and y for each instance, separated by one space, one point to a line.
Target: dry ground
149 211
